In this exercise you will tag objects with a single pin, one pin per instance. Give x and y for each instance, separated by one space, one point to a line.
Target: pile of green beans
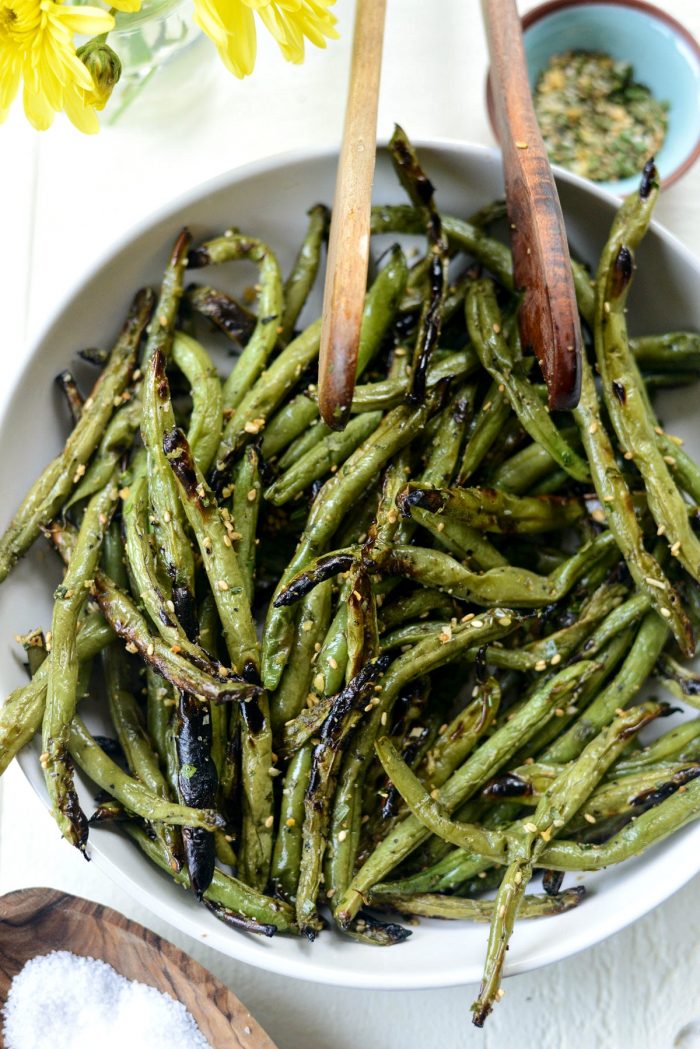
383 671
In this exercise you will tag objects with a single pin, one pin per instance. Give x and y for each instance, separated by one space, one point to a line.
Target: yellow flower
36 48
231 25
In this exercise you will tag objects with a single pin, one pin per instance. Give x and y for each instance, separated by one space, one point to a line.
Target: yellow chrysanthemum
231 25
36 48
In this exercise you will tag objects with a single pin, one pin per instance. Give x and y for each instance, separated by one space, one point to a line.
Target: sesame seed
269 821
252 495
222 584
342 835
589 818
496 329
478 623
502 910
655 582
670 460
661 530
593 428
665 613
150 649
520 145
540 664
555 660
675 548
332 661
435 794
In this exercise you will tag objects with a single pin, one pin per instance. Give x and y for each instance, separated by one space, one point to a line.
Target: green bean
287 424
123 616
168 517
333 656
454 908
66 382
628 410
286 857
459 539
228 891
233 319
489 422
295 685
306 442
207 398
484 323
528 467
159 707
616 501
626 797
391 392
420 190
52 488
61 696
416 605
346 711
116 441
456 742
646 830
221 564
679 681
564 797
133 795
504 585
336 497
22 712
467 237
441 467
680 744
303 273
328 453
636 668
489 510
684 470
229 248
671 351
463 783
247 494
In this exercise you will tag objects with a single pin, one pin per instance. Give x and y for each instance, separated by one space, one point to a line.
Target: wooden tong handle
548 316
348 244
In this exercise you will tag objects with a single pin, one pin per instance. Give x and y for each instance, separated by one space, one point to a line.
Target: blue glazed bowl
663 54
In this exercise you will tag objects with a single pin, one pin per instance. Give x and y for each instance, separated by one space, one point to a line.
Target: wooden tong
548 316
348 244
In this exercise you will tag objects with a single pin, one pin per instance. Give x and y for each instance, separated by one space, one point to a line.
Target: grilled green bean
230 248
53 487
303 273
61 696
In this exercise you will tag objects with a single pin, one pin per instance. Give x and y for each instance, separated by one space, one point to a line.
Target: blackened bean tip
649 178
197 258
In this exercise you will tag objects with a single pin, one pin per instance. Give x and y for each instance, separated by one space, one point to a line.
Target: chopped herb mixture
596 120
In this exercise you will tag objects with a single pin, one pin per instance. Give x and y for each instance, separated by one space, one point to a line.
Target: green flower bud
105 69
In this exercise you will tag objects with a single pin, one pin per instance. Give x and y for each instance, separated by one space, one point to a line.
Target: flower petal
88 21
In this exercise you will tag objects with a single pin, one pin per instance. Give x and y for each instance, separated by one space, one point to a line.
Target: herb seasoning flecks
595 119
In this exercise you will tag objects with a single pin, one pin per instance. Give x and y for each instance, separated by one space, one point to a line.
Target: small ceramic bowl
663 54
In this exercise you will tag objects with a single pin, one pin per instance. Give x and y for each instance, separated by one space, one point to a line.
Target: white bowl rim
306 968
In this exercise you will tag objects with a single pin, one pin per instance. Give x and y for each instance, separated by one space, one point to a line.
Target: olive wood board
37 921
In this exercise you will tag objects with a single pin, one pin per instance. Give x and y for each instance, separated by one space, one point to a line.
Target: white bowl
269 199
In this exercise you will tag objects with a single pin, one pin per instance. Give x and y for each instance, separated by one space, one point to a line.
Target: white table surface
65 199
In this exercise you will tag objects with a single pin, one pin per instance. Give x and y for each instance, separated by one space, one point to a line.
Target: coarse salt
63 999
